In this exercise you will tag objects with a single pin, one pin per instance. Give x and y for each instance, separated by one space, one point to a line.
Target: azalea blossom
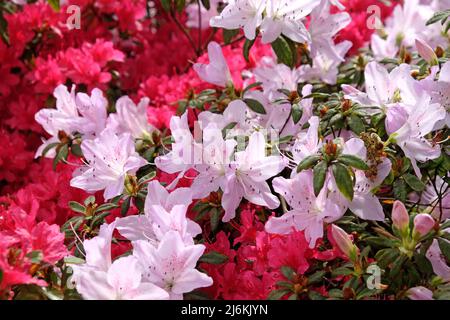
284 17
109 159
246 14
323 28
216 72
440 266
101 279
164 211
171 265
308 212
131 118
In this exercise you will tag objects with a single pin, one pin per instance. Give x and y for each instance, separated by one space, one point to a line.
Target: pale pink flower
171 265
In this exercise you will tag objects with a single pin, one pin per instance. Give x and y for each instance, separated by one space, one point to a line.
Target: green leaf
76 150
213 257
149 176
308 162
61 155
341 271
166 5
288 272
206 4
48 148
445 249
438 16
35 256
73 260
415 183
106 206
248 44
89 200
278 294
353 161
400 191
297 113
125 206
228 35
316 277
77 207
356 124
180 4
54 4
255 106
343 180
251 86
320 174
214 219
380 242
283 51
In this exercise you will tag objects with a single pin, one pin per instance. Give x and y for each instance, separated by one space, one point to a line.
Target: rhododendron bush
240 149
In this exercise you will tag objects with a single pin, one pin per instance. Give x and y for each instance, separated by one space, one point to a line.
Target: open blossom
216 72
171 265
323 28
308 212
130 118
107 166
101 279
182 156
435 256
284 17
411 136
164 211
246 14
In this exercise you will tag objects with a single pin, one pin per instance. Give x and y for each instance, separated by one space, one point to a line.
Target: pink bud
343 240
400 216
423 223
420 293
426 52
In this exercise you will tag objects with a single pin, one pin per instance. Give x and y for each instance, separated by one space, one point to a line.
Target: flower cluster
240 149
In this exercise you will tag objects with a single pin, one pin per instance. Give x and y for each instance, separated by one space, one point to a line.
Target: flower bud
400 216
343 241
420 293
423 223
426 52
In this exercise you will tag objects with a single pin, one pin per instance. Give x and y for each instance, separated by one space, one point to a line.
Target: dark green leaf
297 113
255 106
125 206
180 4
316 277
76 150
445 249
48 148
288 272
278 294
353 161
228 35
166 5
415 183
61 155
213 257
149 176
214 219
438 16
77 207
343 180
356 124
206 4
283 51
320 174
248 44
106 206
308 162
400 191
